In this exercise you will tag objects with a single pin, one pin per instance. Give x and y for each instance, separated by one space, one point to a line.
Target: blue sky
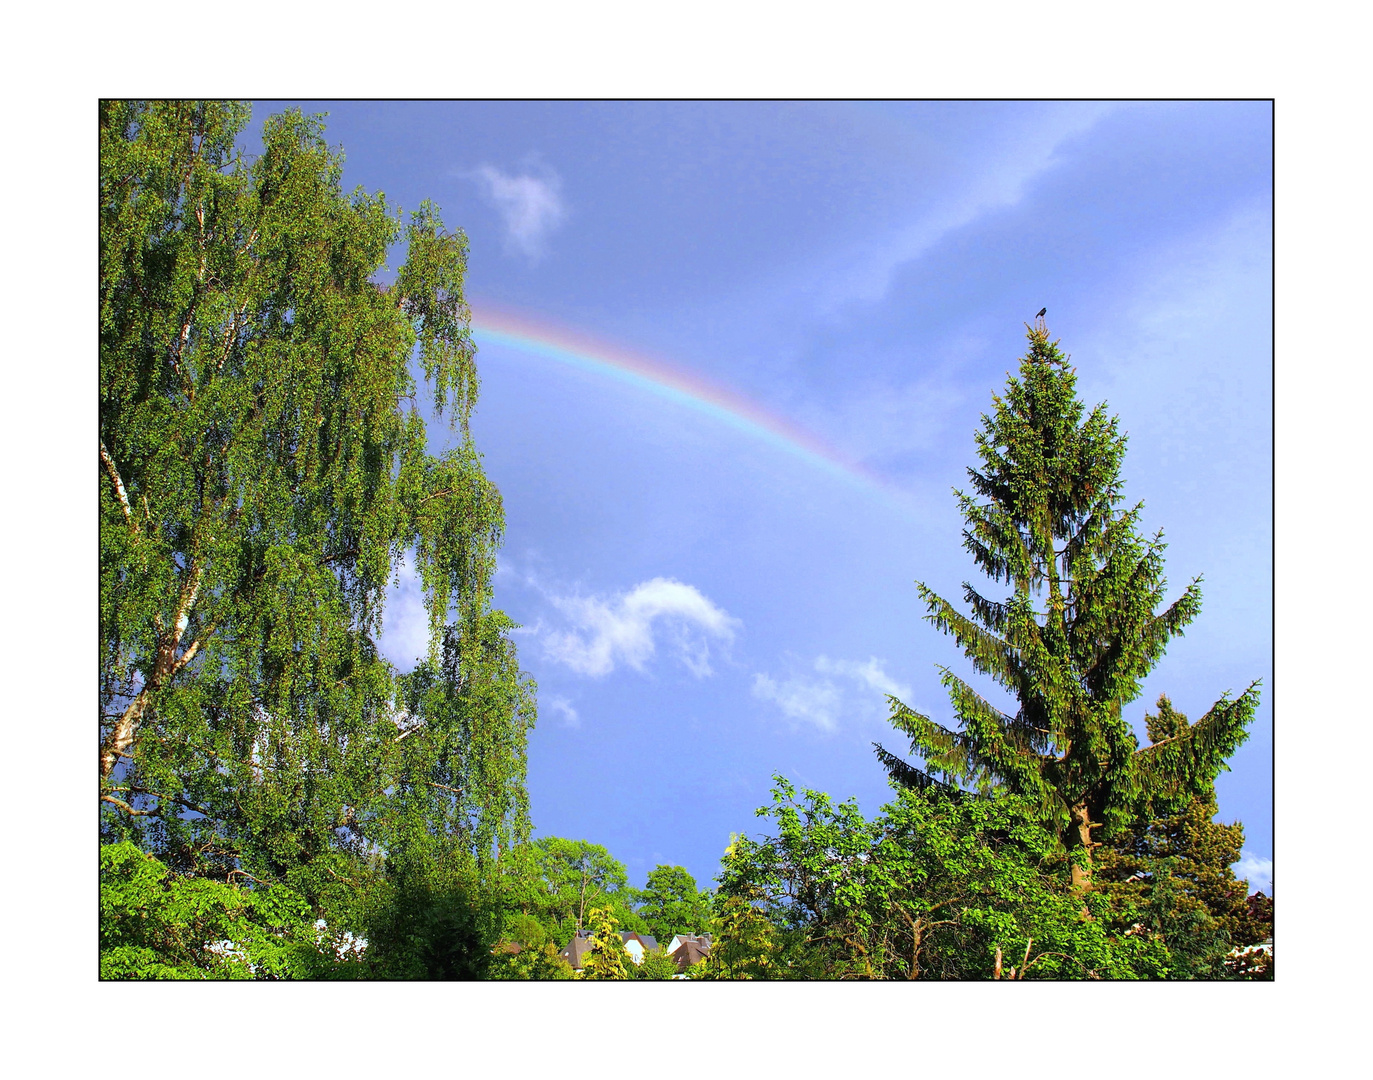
702 609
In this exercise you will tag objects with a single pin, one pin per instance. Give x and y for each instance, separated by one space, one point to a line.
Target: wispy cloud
531 206
868 674
562 707
624 629
1256 870
815 702
865 271
823 702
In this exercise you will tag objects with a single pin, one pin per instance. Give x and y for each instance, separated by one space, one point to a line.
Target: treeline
445 920
278 801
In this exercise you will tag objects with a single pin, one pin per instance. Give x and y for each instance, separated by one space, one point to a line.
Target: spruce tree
1170 874
1081 629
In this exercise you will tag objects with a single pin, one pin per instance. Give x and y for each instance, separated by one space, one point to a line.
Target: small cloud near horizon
1256 870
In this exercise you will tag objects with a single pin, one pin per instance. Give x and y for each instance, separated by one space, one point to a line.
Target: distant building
688 949
577 948
637 945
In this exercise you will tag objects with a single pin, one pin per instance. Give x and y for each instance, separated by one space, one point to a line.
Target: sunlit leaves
264 469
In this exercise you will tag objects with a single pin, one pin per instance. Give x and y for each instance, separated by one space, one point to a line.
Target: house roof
691 951
648 941
575 949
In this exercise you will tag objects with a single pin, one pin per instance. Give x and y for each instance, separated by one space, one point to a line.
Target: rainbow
573 348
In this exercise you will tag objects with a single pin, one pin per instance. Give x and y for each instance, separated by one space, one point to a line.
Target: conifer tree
1171 874
1080 630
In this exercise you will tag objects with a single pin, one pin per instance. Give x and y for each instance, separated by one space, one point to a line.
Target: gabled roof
691 951
577 948
678 939
648 941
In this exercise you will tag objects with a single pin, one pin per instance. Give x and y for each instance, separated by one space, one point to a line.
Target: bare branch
191 650
121 736
230 334
127 808
249 876
176 353
336 877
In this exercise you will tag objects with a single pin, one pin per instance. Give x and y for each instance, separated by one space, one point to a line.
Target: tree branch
118 487
127 808
166 665
229 334
191 650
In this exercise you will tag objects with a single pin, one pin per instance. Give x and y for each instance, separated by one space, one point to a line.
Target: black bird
1042 312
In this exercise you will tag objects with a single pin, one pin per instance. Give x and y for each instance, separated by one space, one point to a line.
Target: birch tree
264 467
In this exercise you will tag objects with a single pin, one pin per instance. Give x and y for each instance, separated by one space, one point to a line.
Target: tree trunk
166 664
1081 837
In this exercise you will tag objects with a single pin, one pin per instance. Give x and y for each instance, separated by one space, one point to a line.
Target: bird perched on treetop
1041 313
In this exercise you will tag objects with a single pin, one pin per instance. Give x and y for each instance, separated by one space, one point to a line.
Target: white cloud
405 624
560 704
869 674
817 703
1257 870
622 629
531 206
822 701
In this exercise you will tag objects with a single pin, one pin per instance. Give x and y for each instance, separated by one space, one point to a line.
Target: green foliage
1171 877
532 963
1079 632
743 941
931 888
158 925
607 957
553 883
670 903
526 951
264 468
657 965
431 916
